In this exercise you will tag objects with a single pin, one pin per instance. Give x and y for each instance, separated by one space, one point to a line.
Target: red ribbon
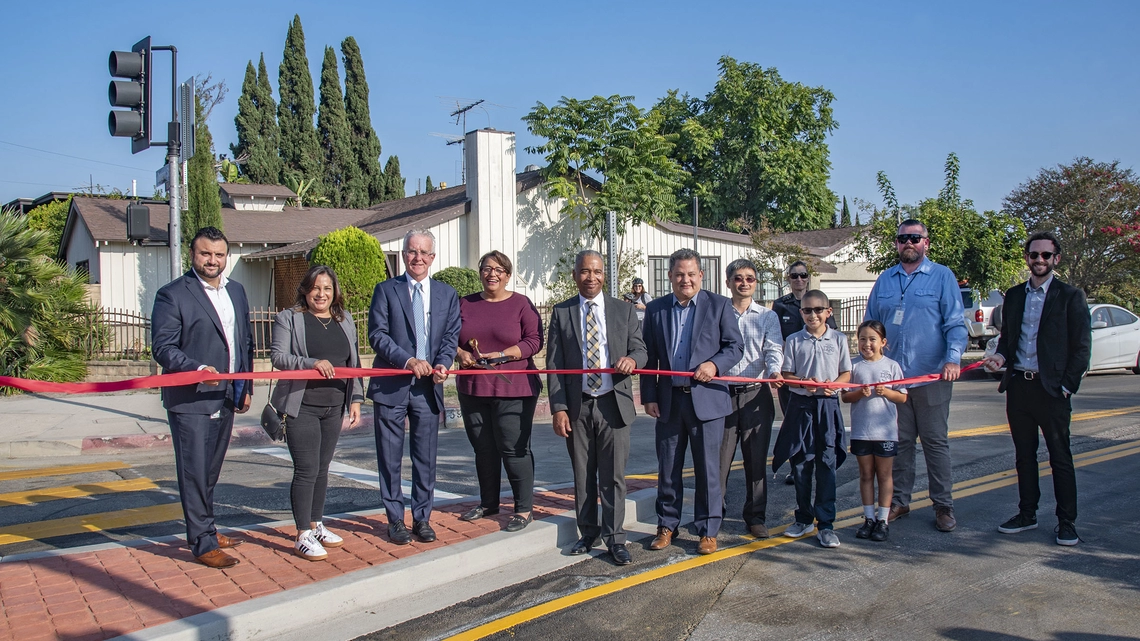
194 378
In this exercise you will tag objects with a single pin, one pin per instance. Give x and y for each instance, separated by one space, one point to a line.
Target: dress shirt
763 342
603 347
682 339
220 298
1030 323
932 331
426 292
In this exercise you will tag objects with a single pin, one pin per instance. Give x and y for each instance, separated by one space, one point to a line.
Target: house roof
820 242
238 190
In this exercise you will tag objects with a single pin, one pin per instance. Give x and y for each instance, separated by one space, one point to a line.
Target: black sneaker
864 532
1067 533
1020 523
880 532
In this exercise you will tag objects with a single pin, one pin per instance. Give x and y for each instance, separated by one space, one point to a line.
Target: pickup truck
978 314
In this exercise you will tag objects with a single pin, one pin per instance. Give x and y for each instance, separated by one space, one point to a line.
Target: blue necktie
418 318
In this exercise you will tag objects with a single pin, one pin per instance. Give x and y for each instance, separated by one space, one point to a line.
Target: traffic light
133 92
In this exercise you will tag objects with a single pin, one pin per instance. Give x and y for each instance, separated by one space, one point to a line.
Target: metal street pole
611 240
696 216
173 136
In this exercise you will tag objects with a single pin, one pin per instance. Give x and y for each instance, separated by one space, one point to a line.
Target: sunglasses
743 279
1045 255
816 311
798 276
913 239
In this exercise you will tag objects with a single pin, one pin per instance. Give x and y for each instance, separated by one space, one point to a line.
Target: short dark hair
301 303
684 254
798 263
209 233
498 257
874 325
817 295
737 265
910 222
1043 235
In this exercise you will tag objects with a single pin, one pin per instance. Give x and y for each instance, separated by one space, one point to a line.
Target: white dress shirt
763 343
220 298
603 347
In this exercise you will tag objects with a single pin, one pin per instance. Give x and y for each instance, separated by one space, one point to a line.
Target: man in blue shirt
920 304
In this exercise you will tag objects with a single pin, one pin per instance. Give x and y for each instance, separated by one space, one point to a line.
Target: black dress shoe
583 545
519 522
620 554
476 513
398 533
423 531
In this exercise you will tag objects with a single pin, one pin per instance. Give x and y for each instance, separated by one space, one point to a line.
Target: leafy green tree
247 122
369 187
845 215
612 138
42 307
428 187
51 217
983 250
204 200
230 172
1091 206
464 279
257 133
394 182
358 261
340 168
300 151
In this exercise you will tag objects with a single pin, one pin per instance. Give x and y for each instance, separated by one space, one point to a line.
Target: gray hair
586 253
684 254
739 264
420 232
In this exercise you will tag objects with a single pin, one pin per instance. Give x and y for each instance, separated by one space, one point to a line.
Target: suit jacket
393 337
291 351
186 333
716 338
1064 337
564 351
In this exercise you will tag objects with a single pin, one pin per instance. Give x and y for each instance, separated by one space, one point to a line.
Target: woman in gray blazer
316 333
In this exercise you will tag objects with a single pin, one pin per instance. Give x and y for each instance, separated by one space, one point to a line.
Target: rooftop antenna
460 115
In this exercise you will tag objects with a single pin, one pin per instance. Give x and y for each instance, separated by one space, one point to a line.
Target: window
84 267
1101 316
392 263
711 266
659 276
1121 317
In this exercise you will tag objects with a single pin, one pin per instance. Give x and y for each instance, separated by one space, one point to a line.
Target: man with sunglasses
920 304
1045 344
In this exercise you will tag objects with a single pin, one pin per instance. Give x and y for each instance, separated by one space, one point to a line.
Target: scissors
487 363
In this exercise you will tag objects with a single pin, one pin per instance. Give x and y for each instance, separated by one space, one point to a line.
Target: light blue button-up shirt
1030 323
683 316
923 314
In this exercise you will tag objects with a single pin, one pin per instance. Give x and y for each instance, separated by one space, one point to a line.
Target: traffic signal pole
173 137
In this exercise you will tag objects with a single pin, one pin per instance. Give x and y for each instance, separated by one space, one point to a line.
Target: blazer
716 338
564 351
1064 337
186 333
392 336
290 351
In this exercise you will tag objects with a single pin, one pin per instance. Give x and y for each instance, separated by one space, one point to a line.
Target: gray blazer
564 351
290 351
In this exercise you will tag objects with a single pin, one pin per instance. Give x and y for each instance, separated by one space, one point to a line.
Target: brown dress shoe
897 511
229 541
663 539
217 559
759 531
707 546
944 519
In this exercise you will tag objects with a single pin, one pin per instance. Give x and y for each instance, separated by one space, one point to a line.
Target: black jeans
750 424
1029 407
499 430
312 438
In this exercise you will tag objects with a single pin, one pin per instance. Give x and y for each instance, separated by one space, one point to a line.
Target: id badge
898 319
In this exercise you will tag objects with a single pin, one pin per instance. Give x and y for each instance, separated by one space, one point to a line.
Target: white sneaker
308 547
828 538
327 538
796 530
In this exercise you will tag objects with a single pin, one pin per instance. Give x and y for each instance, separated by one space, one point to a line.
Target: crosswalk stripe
63 470
90 523
43 495
358 474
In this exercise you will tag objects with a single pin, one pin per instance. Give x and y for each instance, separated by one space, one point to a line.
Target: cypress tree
300 150
339 166
368 187
428 187
248 118
264 164
394 183
205 201
845 217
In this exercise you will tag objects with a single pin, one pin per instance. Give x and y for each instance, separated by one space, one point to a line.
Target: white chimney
491 224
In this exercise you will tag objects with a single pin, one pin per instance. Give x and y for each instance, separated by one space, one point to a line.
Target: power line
56 153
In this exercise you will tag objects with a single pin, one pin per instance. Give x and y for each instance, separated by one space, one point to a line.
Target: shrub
464 279
357 260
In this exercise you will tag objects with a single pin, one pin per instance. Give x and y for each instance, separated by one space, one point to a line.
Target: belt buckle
1029 375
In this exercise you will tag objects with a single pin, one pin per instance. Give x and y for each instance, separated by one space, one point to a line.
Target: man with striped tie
593 411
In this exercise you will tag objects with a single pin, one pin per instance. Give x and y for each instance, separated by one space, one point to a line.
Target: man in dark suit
201 322
694 331
593 412
413 324
1045 344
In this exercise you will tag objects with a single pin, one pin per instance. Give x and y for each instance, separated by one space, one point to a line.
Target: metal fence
849 313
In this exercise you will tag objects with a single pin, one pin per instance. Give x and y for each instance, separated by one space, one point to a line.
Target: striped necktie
593 349
418 318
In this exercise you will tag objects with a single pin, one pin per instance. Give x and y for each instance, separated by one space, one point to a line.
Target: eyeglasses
913 239
498 271
743 279
816 311
412 253
1045 255
799 276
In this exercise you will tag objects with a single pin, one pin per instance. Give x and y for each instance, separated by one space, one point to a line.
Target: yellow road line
90 523
846 518
62 470
31 497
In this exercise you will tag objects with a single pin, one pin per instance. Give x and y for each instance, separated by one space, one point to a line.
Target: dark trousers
499 431
784 392
313 435
1029 408
599 449
673 437
200 445
821 466
423 429
750 424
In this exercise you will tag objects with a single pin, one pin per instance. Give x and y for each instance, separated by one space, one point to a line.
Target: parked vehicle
979 313
1115 339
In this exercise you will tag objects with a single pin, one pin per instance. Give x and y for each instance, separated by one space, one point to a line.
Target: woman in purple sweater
498 411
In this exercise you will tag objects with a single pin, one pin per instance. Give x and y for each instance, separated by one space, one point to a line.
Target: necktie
593 349
418 319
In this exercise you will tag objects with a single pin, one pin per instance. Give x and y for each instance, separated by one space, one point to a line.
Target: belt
737 390
683 389
1026 375
590 397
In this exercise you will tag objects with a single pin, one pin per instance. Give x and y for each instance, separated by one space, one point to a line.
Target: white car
1115 339
979 314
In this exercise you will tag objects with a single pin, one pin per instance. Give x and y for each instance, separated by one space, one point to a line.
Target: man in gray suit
594 330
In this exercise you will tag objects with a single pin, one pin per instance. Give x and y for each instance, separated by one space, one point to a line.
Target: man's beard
910 255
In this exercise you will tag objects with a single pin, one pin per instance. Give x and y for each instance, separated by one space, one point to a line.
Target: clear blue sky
1011 87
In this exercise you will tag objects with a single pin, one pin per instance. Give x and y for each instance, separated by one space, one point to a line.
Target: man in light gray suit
593 411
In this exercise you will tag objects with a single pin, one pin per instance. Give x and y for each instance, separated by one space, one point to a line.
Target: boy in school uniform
811 437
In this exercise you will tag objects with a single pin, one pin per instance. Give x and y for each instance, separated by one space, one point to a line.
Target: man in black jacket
1045 344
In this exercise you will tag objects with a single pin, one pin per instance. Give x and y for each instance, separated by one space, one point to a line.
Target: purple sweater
497 326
